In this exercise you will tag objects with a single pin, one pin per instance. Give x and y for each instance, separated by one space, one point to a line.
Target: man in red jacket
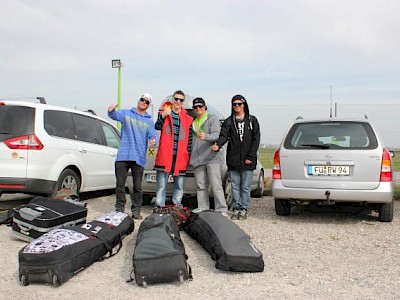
174 147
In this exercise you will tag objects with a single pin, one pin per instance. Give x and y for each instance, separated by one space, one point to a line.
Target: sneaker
243 214
235 215
137 217
225 214
120 210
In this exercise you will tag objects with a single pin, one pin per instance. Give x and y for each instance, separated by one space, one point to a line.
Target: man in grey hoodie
207 163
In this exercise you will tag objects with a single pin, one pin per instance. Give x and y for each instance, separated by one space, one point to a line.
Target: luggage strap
106 244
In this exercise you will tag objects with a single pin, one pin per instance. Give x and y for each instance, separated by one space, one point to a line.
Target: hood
246 106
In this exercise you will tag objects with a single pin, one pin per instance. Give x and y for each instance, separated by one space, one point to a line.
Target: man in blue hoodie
137 133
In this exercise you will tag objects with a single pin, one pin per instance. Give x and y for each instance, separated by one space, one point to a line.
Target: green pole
119 94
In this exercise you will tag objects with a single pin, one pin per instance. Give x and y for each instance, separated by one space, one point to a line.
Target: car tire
146 199
228 192
259 192
385 213
282 207
68 179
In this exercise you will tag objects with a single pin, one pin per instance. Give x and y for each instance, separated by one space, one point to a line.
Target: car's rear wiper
323 146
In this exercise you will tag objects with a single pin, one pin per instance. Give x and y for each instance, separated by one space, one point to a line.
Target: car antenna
330 113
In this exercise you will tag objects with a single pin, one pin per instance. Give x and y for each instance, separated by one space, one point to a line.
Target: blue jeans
162 180
241 188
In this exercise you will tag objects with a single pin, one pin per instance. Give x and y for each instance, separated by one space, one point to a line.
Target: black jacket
237 151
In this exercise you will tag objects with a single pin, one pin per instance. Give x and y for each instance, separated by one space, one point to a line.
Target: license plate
152 178
329 170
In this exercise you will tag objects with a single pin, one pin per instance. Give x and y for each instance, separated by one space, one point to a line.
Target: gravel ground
312 254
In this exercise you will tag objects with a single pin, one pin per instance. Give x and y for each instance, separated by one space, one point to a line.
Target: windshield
331 135
16 121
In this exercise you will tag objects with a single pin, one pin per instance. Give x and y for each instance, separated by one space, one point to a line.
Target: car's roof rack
91 111
42 100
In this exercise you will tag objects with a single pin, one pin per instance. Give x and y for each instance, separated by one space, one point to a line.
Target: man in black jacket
242 132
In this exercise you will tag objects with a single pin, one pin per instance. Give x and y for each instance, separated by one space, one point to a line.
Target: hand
112 107
166 112
248 162
152 142
215 147
201 135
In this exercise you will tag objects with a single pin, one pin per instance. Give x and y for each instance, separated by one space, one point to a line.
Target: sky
286 57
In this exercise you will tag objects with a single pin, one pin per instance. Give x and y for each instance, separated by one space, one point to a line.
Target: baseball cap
147 96
199 100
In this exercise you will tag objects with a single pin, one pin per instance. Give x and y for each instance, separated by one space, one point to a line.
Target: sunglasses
179 99
198 106
145 101
237 104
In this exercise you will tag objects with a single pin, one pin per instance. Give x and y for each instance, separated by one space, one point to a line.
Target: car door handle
83 151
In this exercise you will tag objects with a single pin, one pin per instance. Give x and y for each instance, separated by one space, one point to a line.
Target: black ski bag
61 253
159 255
228 245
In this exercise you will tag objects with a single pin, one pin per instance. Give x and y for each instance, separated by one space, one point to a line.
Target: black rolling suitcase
159 255
227 244
61 253
43 214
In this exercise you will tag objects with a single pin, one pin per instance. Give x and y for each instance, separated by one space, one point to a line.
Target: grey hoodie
201 149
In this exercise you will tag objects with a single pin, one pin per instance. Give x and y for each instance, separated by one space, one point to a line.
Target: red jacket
166 146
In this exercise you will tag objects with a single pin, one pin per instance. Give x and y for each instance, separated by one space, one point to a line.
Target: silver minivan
46 148
330 161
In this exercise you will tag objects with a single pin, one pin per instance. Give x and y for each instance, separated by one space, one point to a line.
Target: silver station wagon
331 161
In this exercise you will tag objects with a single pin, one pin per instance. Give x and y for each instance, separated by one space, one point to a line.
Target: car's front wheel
385 212
282 207
68 180
228 192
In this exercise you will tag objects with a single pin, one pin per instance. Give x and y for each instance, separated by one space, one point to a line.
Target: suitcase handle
24 228
29 214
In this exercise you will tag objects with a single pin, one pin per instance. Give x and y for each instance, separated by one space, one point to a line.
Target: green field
266 156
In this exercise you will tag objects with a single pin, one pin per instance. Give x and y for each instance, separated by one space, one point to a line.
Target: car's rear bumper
26 185
382 194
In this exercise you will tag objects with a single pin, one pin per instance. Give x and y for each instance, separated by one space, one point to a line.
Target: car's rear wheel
282 207
259 192
146 199
68 180
385 212
228 192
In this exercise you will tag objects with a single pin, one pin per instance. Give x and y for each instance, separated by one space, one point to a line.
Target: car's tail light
25 142
276 168
2 104
386 169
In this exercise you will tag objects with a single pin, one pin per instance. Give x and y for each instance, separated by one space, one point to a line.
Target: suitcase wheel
54 280
23 280
181 278
144 284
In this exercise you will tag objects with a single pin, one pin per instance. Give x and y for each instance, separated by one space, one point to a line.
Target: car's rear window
331 135
16 121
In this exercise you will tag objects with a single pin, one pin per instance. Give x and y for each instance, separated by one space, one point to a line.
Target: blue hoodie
136 130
